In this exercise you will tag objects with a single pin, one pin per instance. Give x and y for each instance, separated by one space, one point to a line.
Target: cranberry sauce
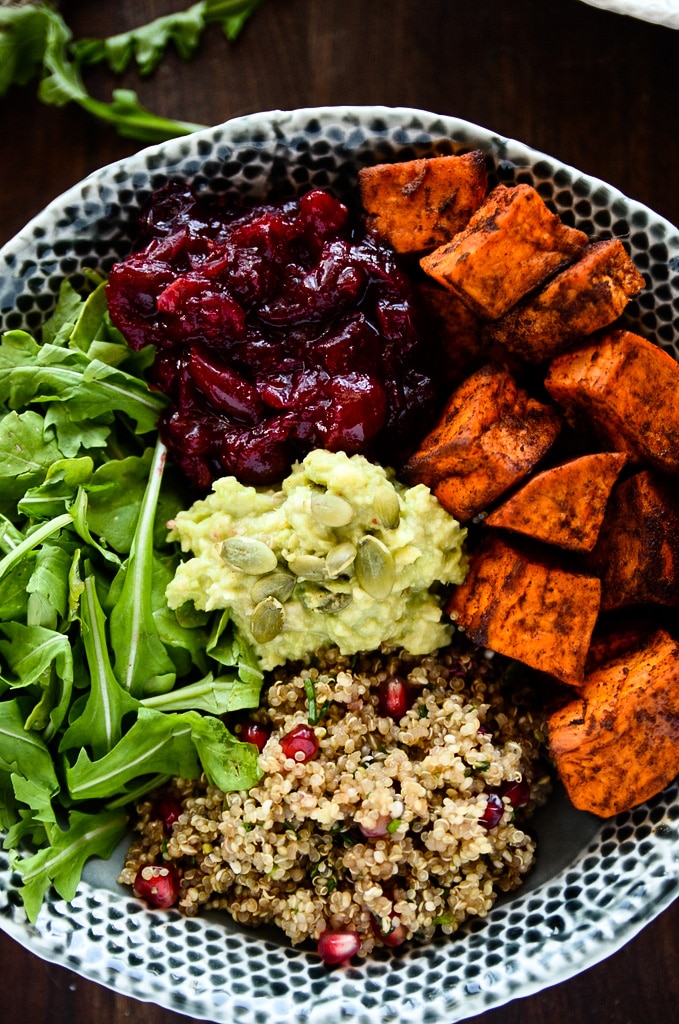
278 328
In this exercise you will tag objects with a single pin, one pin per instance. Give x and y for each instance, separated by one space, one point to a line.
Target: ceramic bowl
597 882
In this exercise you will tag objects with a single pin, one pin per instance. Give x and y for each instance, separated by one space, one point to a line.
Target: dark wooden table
596 89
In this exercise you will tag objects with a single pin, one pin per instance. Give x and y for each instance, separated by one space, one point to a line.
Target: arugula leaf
23 36
39 657
81 490
115 493
214 696
13 596
57 491
229 648
171 744
100 725
36 42
146 45
32 541
27 450
156 743
61 863
47 588
23 751
51 373
228 763
142 664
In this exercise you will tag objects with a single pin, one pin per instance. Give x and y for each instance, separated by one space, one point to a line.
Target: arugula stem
34 540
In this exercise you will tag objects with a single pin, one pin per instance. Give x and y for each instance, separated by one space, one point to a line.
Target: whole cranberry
492 815
158 884
255 732
337 947
322 213
300 743
393 697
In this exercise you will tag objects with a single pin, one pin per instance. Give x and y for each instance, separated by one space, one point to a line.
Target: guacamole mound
342 554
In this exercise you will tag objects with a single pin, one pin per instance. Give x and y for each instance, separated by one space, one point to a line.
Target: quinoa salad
393 802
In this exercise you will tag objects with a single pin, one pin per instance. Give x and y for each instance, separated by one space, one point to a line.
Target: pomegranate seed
493 812
338 947
518 793
254 732
392 698
158 884
167 810
396 935
300 743
380 828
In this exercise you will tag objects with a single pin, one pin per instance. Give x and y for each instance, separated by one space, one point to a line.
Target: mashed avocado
343 554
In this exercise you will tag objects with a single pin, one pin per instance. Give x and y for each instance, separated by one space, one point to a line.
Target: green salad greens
37 43
104 692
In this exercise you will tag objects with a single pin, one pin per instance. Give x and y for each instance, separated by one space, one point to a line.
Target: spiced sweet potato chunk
617 744
490 435
637 555
564 505
417 205
628 390
585 297
521 602
509 247
452 330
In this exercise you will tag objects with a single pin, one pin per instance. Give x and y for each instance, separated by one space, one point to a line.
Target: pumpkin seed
308 567
330 509
387 506
267 620
374 567
248 555
340 559
279 584
318 599
336 603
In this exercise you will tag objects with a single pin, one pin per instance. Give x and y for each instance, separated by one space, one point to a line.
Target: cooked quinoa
383 828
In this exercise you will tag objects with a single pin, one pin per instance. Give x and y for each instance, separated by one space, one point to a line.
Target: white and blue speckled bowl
597 883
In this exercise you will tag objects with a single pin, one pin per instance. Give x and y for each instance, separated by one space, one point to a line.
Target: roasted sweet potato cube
452 332
509 247
615 635
628 390
637 554
417 205
563 505
521 602
617 744
585 297
490 435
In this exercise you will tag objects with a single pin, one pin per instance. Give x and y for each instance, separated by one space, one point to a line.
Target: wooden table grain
596 89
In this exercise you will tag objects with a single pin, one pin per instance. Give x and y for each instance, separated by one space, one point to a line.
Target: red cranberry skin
256 733
338 947
492 815
158 884
278 328
393 698
300 744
